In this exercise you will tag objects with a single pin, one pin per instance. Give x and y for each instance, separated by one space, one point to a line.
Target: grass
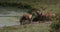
33 3
42 27
53 6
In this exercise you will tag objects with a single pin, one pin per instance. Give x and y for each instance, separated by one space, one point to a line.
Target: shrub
55 26
27 6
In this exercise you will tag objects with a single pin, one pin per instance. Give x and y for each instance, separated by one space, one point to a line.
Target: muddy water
9 12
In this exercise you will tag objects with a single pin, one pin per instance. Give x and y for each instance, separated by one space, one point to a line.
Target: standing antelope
26 17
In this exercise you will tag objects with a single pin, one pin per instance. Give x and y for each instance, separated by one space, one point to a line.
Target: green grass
42 27
34 27
53 6
33 3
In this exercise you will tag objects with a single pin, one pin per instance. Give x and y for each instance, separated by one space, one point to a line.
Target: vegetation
55 26
28 3
42 27
43 5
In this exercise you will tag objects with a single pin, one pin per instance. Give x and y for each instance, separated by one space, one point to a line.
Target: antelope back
28 15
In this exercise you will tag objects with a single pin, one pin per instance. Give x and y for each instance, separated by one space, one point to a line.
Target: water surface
9 12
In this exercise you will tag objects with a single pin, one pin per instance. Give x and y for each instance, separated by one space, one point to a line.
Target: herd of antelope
39 17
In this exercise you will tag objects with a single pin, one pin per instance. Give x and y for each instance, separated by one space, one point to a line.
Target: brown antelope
48 16
26 17
51 15
44 16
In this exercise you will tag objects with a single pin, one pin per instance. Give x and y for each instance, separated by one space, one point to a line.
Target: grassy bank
29 3
43 5
42 27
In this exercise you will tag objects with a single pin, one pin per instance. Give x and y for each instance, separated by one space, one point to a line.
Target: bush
19 5
55 26
27 6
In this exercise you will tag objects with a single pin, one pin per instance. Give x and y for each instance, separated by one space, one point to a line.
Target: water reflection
9 11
